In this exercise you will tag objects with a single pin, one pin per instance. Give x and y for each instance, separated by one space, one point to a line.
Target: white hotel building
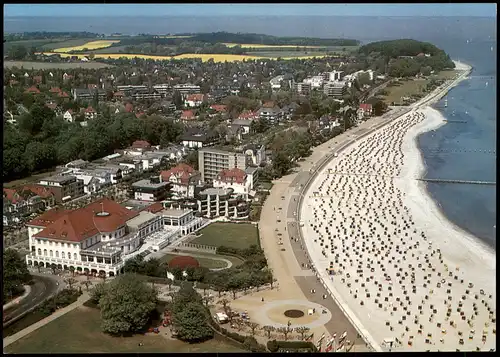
100 237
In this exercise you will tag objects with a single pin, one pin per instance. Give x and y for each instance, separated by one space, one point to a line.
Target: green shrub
273 346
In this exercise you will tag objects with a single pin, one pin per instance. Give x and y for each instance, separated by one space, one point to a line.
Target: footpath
11 339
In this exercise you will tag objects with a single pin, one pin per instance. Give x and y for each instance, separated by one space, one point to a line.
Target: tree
268 329
284 330
126 304
302 330
88 283
379 108
224 302
70 282
281 164
207 299
72 270
203 286
97 292
53 266
177 99
253 326
15 273
17 52
273 346
191 323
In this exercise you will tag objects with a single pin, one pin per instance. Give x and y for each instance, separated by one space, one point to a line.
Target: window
39 251
57 254
74 256
51 253
45 252
50 243
63 255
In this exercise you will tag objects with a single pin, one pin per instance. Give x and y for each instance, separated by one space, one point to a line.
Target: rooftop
174 212
140 219
147 183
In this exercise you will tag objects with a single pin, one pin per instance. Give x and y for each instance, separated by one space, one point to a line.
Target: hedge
275 346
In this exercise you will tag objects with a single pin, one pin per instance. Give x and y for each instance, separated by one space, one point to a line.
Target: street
42 289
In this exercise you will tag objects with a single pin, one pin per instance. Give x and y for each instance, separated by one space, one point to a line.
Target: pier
492 183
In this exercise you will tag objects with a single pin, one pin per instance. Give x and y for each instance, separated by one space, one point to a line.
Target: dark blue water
472 207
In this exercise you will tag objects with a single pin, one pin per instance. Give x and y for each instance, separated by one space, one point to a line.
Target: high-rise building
212 161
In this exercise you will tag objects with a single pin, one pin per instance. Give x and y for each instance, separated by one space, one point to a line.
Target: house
271 114
37 79
129 108
55 90
235 179
244 124
80 94
51 106
63 95
218 108
68 116
90 113
365 110
315 81
234 132
183 178
221 202
194 100
276 82
64 187
248 115
197 138
289 110
32 90
187 115
67 77
119 95
326 122
141 145
26 200
152 190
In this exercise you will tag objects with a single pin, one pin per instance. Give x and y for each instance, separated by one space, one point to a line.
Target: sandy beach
400 269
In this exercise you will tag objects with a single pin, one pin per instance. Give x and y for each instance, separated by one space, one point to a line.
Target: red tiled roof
183 172
141 144
90 110
269 104
138 115
55 90
187 115
365 106
70 111
195 97
37 79
129 108
232 175
154 208
12 195
51 106
41 191
248 115
218 107
33 89
47 218
80 224
63 95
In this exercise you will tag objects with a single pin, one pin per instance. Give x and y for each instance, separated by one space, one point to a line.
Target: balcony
75 263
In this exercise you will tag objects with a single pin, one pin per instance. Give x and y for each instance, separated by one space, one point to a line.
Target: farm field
92 45
65 43
174 36
79 331
234 235
30 43
203 57
248 45
288 54
47 65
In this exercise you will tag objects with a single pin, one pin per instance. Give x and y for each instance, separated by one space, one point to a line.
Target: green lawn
404 89
79 332
206 261
234 235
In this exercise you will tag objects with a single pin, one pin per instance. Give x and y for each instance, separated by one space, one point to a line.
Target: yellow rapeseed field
204 57
93 45
248 45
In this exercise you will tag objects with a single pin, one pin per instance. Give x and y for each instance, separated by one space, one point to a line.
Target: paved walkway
13 338
27 291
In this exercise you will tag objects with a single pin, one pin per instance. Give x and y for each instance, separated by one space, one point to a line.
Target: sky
114 10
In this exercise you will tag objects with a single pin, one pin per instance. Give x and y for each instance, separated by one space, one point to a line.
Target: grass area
30 43
235 235
451 74
79 331
66 43
405 88
287 54
48 65
266 185
206 260
249 45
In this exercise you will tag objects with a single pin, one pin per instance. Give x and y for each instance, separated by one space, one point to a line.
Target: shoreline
422 203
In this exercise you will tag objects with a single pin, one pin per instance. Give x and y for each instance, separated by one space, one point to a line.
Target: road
42 289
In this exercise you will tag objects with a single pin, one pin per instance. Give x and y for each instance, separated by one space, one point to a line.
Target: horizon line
264 15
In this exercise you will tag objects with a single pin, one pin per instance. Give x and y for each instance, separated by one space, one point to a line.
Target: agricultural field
288 54
203 57
48 65
65 43
234 235
31 43
93 45
247 45
79 331
174 36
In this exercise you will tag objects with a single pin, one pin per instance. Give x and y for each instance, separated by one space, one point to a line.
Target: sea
469 39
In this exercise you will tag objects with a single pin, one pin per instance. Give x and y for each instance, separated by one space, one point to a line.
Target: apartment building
85 94
151 190
333 76
221 202
335 89
64 188
302 88
187 88
315 81
212 161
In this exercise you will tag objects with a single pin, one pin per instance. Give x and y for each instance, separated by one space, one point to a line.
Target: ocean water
471 207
